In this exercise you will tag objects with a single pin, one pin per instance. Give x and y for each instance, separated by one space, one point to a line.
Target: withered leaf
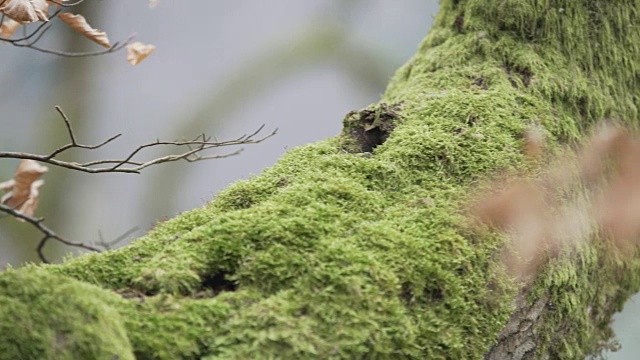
24 187
79 24
26 11
137 51
9 26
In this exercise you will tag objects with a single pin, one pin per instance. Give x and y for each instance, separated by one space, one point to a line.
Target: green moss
69 320
332 254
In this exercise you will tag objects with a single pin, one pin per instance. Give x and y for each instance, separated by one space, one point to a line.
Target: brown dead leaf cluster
26 11
23 189
592 193
18 12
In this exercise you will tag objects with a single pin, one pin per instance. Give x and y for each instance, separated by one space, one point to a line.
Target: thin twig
67 5
117 46
125 165
128 164
42 28
108 245
33 33
47 233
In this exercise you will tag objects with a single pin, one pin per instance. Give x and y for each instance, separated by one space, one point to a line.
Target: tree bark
355 247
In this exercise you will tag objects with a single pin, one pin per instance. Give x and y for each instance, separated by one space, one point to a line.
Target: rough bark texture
354 247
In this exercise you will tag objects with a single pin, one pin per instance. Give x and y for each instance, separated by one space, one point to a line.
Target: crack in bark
519 338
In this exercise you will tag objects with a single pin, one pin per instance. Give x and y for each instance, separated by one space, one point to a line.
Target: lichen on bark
331 254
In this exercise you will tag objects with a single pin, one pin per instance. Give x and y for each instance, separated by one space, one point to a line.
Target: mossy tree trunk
354 247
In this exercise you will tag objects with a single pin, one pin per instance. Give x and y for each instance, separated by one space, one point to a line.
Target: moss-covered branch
354 247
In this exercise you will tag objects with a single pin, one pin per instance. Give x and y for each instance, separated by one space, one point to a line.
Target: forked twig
128 164
108 245
29 40
125 165
47 233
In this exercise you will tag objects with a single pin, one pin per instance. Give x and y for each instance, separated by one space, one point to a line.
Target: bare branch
72 136
107 245
125 165
128 164
32 34
37 34
116 47
47 234
67 5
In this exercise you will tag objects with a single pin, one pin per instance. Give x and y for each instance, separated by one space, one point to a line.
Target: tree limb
47 233
128 164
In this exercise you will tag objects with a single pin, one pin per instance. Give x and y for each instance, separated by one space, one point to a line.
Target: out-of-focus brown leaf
138 51
519 210
9 26
79 23
153 3
533 143
24 187
577 198
26 11
607 142
618 205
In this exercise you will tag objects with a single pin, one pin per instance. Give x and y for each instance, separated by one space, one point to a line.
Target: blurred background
222 68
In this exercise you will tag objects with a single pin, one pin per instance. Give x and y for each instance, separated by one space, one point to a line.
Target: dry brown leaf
79 24
9 26
26 11
23 188
30 205
138 51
